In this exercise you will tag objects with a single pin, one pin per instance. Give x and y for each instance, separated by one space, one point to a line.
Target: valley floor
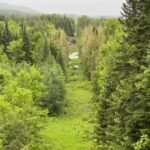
72 130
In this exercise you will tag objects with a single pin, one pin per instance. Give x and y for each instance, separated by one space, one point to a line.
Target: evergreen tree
53 79
124 89
46 50
2 26
55 50
135 17
26 48
135 105
6 38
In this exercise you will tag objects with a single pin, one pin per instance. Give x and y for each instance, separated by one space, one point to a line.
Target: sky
78 7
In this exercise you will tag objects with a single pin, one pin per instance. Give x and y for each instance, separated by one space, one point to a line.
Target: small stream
74 55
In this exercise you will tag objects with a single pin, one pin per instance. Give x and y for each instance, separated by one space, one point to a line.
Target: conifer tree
26 45
46 50
123 116
135 102
6 38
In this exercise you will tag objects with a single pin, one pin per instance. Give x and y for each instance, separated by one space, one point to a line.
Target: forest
71 83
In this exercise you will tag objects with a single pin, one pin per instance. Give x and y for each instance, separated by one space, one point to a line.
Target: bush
20 119
143 143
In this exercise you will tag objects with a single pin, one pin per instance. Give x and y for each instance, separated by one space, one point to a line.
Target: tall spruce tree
136 16
46 50
6 38
124 111
26 45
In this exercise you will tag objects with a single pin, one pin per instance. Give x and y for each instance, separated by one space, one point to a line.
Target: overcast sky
78 7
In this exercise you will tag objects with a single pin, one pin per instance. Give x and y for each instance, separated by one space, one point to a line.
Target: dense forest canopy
97 100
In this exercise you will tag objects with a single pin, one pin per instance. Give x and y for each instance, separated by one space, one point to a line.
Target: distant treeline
70 25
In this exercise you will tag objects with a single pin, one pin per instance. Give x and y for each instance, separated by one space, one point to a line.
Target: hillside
7 9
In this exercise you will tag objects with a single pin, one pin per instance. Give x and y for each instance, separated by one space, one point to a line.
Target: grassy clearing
72 130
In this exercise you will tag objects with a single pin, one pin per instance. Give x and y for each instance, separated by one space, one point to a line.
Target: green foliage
34 54
89 43
104 84
72 131
2 25
6 38
122 81
143 143
14 28
15 49
26 46
28 78
20 118
3 56
41 51
59 21
17 129
56 53
83 22
53 79
112 28
68 24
